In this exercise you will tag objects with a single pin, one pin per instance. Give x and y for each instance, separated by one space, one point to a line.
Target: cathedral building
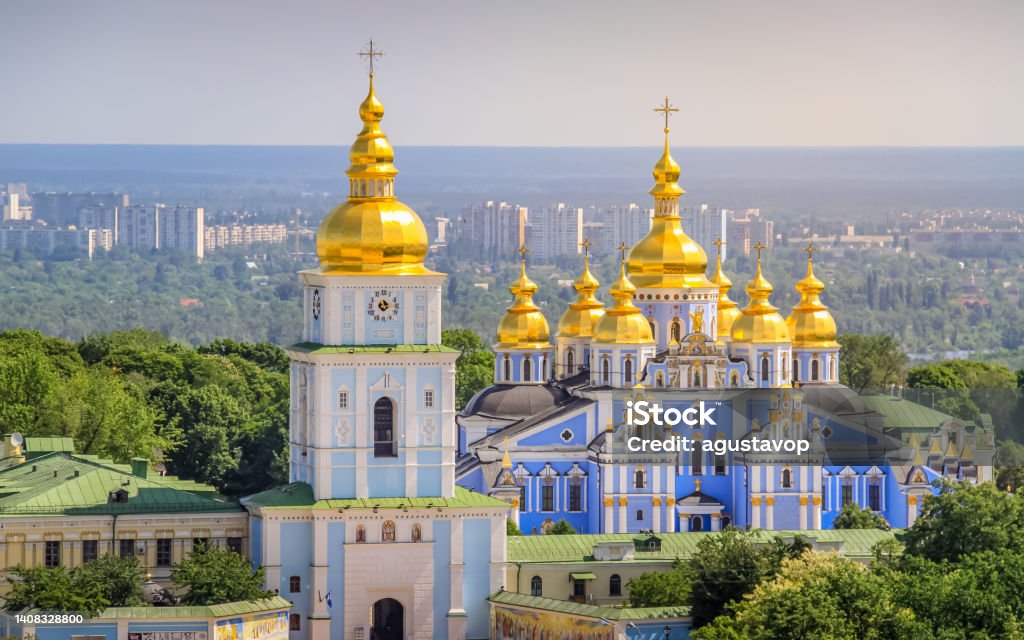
372 538
550 437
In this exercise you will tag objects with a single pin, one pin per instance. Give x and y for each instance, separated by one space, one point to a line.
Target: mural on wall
273 626
529 624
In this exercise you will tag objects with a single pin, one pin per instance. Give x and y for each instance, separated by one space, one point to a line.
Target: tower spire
728 310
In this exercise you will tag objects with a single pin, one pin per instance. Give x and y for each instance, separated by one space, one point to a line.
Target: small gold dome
623 323
372 232
524 326
666 257
811 324
582 316
760 321
728 310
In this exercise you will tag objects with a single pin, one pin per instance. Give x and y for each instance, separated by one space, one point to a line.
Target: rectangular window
847 494
428 399
52 553
875 497
235 544
579 588
547 498
126 548
575 497
639 515
163 552
90 550
522 499
719 465
343 400
294 584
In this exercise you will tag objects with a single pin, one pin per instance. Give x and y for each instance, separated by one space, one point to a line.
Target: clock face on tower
316 304
383 306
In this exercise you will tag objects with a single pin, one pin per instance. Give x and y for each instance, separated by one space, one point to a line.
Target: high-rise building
12 211
99 216
62 208
138 227
555 231
706 224
491 227
181 229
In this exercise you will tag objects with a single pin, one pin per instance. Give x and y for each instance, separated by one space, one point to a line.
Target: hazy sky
484 72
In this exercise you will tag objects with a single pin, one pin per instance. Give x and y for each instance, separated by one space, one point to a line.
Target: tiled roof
580 547
315 347
59 484
587 610
300 494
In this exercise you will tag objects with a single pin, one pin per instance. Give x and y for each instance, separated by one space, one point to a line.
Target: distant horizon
674 148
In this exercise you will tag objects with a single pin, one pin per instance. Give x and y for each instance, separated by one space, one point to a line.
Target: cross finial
810 251
719 243
586 247
522 251
759 247
371 53
666 109
622 248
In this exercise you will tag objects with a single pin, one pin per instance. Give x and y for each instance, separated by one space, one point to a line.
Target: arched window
387 531
628 370
814 369
527 369
831 368
384 445
606 373
654 334
615 585
639 479
417 533
508 368
543 369
536 586
696 523
726 522
696 378
697 459
659 379
796 368
677 330
764 367
360 533
734 379
570 361
787 479
294 622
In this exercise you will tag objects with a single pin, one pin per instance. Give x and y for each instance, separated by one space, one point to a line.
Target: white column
684 522
911 510
670 515
623 509
803 512
755 513
816 512
457 566
362 428
716 522
656 515
769 513
609 519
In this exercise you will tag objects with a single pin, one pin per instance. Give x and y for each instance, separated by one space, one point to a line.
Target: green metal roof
579 548
45 445
587 610
229 609
300 495
315 347
903 413
59 483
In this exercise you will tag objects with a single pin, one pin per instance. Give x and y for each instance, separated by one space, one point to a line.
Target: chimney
140 467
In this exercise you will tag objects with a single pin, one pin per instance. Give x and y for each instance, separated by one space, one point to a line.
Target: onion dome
811 324
728 310
524 326
623 323
582 316
666 257
760 321
372 232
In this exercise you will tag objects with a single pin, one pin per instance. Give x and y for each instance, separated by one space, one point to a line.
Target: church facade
372 539
550 436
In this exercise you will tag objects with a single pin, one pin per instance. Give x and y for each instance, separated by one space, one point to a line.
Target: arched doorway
388 622
384 429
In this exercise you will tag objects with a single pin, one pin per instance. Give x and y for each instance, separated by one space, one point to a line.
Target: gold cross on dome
719 243
371 53
810 251
622 247
586 247
758 247
522 251
668 110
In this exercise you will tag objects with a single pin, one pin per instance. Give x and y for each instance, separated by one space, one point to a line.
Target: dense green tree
474 370
56 589
120 579
560 528
214 575
870 361
964 519
661 588
511 528
264 354
853 517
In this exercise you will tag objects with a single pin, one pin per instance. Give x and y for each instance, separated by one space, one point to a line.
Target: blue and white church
372 539
549 437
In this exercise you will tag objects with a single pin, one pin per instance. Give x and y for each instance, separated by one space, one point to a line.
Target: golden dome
623 323
582 316
759 320
728 310
372 232
811 324
666 257
524 326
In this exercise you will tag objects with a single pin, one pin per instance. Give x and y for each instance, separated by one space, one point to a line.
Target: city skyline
570 74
